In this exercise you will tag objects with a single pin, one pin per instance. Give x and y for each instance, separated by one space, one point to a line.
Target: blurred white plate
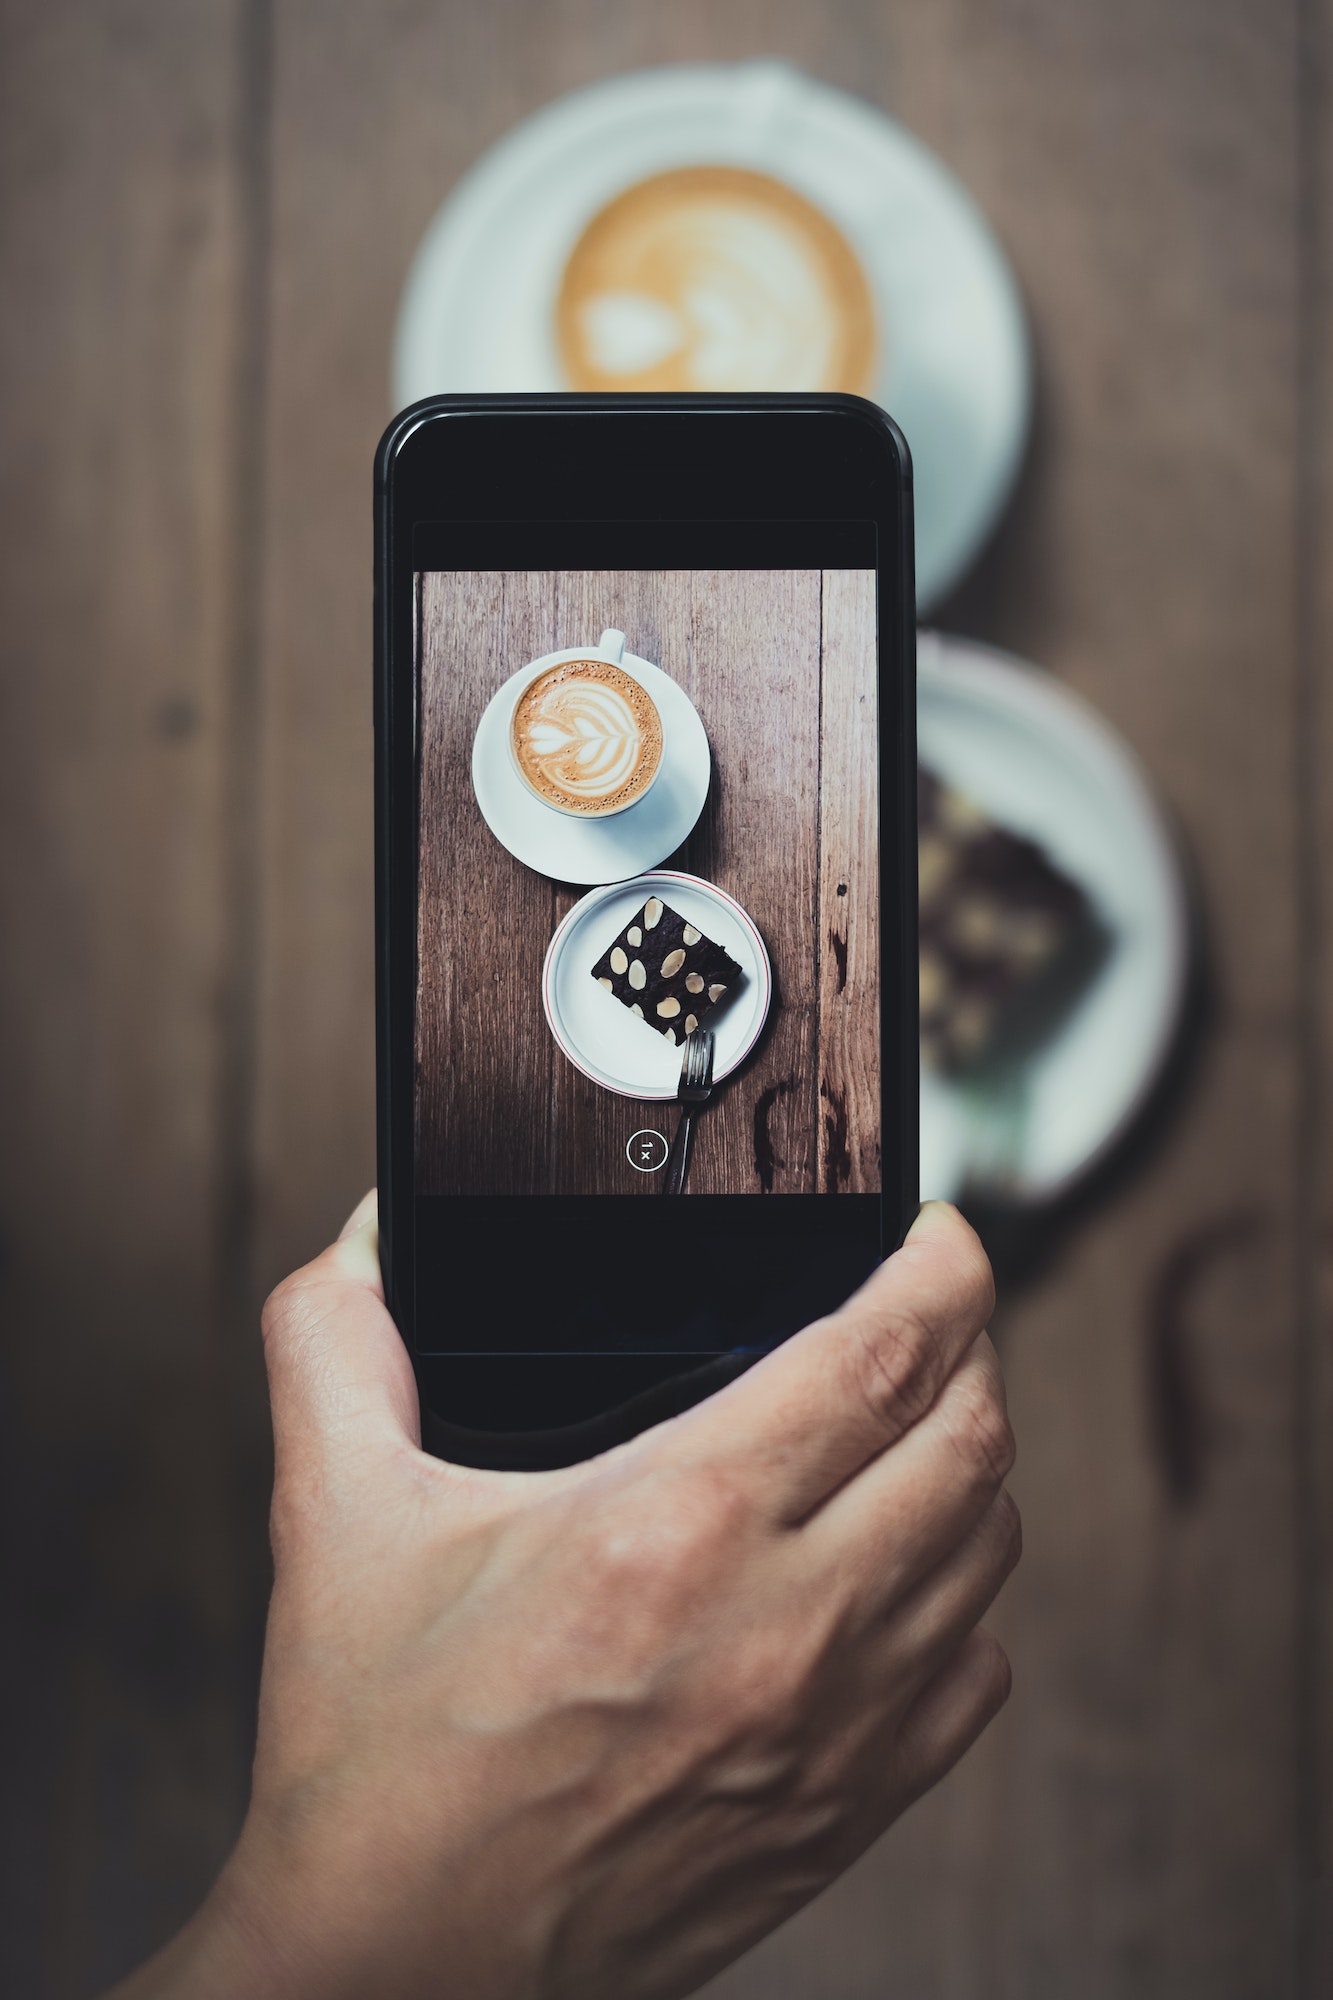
593 850
478 309
599 1035
1041 762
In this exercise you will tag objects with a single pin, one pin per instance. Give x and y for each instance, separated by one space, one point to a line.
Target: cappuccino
715 278
587 738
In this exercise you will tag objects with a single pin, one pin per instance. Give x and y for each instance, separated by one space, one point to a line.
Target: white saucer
604 1039
1040 761
593 850
478 309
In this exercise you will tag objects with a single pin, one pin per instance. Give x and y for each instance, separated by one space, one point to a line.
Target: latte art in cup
715 277
587 738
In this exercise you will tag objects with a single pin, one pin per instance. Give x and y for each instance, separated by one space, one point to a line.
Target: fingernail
366 1210
931 1211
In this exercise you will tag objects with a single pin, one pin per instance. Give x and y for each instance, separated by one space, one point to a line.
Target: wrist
249 1936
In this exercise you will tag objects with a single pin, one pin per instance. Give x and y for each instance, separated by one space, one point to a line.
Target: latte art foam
587 737
714 278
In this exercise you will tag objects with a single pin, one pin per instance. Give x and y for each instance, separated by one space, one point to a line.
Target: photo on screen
648 818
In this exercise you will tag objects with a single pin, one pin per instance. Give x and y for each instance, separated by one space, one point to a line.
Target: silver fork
695 1088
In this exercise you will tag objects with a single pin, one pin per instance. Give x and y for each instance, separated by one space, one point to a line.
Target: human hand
588 1734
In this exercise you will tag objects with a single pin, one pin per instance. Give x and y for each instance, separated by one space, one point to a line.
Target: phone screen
648 828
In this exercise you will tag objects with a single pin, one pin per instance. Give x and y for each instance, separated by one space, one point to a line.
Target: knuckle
895 1367
289 1307
997 1676
293 1316
1011 1530
285 1525
982 1434
292 1519
279 1306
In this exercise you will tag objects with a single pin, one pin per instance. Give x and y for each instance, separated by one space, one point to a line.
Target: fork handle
678 1159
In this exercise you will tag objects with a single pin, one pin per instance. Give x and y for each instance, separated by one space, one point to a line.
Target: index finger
810 1415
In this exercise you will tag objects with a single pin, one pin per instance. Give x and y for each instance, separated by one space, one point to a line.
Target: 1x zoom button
647 1151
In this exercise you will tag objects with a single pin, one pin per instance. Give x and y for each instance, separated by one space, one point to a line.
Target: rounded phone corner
539 1450
408 423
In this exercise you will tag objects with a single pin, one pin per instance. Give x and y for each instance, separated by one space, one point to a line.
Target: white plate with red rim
569 849
600 1036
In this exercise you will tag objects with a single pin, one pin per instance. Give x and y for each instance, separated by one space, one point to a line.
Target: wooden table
208 210
780 665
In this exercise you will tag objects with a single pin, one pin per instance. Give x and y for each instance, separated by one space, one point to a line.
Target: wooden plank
129 1543
1314 1215
849 1078
755 660
483 1062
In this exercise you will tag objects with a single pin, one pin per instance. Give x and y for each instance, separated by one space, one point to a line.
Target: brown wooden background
781 666
206 211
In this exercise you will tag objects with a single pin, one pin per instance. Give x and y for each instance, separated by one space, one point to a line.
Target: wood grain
848 1111
483 1061
755 661
1314 1217
131 1411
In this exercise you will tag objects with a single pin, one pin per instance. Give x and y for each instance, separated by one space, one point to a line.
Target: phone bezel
757 460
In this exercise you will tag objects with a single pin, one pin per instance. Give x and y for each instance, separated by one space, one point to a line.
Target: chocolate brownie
1008 941
666 971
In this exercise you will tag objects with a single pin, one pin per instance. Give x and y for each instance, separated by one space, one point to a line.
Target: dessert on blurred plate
1008 941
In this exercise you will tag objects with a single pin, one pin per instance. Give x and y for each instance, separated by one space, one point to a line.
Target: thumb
340 1381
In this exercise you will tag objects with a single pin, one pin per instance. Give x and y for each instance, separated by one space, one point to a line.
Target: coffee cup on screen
586 736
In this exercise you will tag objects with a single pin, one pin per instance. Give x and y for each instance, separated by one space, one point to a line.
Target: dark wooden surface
780 665
206 212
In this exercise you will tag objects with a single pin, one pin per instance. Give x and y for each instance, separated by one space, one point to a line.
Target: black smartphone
646 896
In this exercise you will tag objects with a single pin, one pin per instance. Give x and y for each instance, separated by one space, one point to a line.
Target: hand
588 1734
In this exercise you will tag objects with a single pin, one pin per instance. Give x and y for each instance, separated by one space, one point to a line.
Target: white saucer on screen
1041 762
954 368
593 850
600 1036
